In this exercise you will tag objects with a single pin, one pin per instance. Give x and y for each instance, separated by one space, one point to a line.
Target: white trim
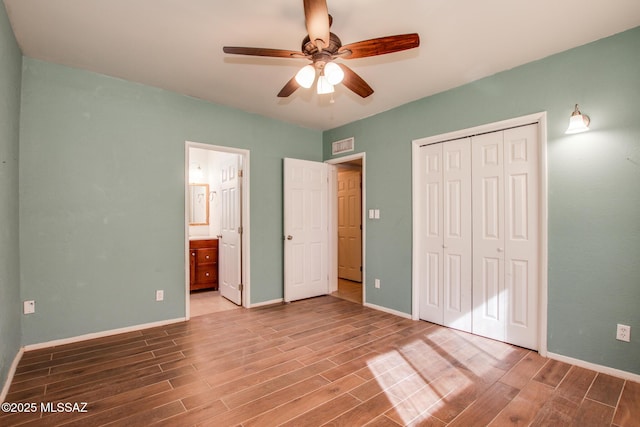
102 334
10 374
332 247
333 225
595 367
263 303
246 214
541 120
388 310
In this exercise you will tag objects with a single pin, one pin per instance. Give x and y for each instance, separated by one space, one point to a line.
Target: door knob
500 250
289 237
219 236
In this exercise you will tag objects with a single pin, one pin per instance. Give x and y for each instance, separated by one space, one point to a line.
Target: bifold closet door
505 235
445 295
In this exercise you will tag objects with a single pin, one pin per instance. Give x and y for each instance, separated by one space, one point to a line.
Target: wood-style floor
349 290
322 361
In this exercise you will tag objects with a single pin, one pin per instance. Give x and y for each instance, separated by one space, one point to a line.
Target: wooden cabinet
203 264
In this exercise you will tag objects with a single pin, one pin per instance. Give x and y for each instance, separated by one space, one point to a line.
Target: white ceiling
177 45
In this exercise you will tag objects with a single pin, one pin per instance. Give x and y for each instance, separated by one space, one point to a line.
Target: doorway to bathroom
216 228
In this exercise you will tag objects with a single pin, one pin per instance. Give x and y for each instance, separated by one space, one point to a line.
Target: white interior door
457 237
229 244
445 296
505 236
349 225
488 236
305 229
431 289
521 235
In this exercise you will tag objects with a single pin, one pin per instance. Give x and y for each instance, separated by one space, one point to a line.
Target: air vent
343 146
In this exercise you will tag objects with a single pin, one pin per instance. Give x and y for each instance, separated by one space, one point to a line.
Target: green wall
10 75
594 191
102 197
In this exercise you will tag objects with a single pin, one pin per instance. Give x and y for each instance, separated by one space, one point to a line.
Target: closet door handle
500 250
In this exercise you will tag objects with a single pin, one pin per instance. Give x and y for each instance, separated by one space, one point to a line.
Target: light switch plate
29 307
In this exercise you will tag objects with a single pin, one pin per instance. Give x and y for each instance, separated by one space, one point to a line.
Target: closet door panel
488 236
457 239
431 274
521 238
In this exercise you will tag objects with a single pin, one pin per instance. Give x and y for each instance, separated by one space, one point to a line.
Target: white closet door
521 235
505 236
445 295
488 236
431 289
457 234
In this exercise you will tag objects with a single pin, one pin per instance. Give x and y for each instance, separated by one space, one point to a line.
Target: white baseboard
102 334
263 303
12 372
387 310
595 367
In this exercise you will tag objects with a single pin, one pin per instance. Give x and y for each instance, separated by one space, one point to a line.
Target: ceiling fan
322 47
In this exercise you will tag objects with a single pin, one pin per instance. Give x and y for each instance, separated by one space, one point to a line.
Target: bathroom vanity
203 264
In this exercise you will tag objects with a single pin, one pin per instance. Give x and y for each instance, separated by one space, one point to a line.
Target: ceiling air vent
343 146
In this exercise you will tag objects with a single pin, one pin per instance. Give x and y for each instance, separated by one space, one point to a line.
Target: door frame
245 213
417 202
333 221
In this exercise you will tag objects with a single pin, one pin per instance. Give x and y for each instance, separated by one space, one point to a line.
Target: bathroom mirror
198 204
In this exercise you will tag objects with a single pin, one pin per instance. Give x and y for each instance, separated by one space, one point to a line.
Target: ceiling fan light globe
306 76
334 73
324 86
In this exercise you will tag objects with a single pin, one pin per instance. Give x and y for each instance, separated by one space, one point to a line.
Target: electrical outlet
623 333
377 283
29 307
159 295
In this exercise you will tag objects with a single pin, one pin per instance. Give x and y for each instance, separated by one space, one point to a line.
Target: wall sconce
578 122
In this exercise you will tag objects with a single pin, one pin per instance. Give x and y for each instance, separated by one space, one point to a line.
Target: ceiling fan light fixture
324 86
334 73
306 76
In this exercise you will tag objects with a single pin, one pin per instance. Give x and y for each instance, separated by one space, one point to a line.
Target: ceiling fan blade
355 83
259 51
316 17
380 46
289 88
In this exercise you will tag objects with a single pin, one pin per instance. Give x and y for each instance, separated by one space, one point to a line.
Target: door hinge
240 230
360 269
240 173
240 287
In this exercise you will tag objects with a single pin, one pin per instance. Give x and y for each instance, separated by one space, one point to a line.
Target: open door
305 229
350 224
230 274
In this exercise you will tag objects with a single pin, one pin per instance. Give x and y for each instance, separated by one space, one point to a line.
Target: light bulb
334 73
324 86
306 76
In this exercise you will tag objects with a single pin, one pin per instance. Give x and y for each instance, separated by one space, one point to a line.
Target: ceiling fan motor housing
321 57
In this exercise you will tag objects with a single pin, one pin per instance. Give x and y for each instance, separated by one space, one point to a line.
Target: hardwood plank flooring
321 361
